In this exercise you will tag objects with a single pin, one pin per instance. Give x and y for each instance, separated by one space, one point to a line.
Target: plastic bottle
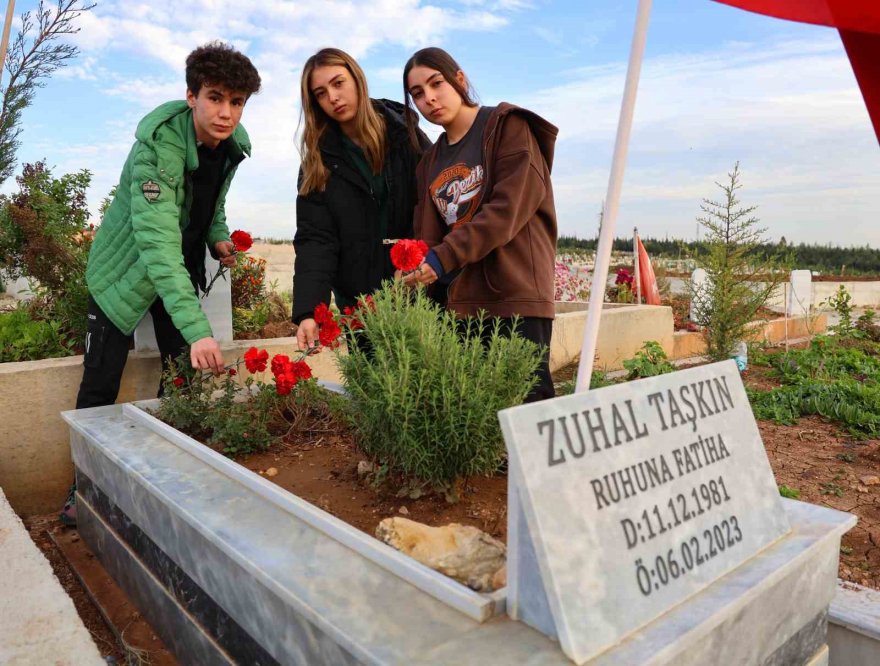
741 355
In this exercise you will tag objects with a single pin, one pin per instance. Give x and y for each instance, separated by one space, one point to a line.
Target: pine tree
740 280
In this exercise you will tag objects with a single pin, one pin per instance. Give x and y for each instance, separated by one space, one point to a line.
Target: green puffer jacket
137 253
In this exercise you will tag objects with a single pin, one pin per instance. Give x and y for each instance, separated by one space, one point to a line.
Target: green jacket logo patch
151 191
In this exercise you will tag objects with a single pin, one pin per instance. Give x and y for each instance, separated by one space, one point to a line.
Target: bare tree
33 56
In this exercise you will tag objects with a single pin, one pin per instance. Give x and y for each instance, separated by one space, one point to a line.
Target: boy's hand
225 252
307 334
205 354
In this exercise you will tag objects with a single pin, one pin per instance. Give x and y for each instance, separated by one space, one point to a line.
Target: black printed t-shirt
456 178
206 181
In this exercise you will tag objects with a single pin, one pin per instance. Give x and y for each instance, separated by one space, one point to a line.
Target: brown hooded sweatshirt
506 252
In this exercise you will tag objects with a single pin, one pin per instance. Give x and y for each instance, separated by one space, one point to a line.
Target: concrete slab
38 621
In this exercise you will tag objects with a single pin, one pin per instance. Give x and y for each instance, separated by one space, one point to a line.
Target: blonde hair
369 124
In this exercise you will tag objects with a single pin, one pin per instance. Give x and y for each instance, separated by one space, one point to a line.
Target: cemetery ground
813 459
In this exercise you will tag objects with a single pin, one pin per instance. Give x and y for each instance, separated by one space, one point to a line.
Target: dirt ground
826 465
325 472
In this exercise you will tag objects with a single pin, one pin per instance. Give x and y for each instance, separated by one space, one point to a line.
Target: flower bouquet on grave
214 410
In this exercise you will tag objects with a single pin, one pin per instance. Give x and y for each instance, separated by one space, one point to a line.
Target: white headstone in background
633 498
217 306
19 288
800 293
699 287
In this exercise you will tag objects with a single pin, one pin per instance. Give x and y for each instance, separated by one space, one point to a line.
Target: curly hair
220 64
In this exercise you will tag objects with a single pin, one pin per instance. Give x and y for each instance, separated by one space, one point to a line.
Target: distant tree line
826 259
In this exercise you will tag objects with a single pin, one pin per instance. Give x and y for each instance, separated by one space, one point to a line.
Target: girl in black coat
356 188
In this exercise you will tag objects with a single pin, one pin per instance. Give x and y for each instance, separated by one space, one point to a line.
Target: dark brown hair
437 59
219 64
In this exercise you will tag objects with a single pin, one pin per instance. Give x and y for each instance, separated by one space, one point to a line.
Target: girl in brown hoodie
485 205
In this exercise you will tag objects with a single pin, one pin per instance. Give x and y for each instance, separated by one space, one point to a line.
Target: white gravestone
700 286
217 306
629 499
800 293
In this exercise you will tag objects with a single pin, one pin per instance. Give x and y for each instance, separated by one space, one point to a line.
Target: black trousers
107 352
538 330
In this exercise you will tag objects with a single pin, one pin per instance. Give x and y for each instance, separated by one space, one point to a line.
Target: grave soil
324 471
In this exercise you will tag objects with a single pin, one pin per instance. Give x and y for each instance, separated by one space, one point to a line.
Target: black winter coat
338 242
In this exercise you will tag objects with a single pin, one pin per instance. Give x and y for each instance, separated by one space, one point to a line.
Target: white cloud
791 113
277 35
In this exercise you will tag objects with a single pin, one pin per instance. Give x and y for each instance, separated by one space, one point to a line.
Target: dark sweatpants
538 330
107 352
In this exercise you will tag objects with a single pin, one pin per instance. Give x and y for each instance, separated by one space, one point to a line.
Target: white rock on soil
462 552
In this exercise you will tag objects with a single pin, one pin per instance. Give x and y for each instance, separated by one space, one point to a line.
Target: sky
718 86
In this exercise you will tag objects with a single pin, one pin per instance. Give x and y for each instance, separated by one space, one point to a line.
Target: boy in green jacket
148 254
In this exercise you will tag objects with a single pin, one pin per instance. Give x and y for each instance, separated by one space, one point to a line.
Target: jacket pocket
489 266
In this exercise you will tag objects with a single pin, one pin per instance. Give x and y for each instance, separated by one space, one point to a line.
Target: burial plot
627 500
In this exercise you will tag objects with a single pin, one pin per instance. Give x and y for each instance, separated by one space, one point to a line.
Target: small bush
24 339
649 362
238 418
45 237
424 395
248 282
790 493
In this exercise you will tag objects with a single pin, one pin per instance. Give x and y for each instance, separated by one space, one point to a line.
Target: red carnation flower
301 370
279 362
178 381
322 314
284 382
255 359
328 334
407 254
242 240
624 277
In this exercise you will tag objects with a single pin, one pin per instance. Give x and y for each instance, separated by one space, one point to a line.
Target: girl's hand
307 334
424 274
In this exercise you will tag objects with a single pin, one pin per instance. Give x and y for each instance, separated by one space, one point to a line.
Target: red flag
646 278
859 24
861 15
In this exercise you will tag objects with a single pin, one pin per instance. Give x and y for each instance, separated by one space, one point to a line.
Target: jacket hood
545 132
394 113
177 117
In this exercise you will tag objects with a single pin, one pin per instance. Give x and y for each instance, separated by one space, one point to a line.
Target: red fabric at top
856 15
863 50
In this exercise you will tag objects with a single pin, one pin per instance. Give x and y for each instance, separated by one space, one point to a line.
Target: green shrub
833 377
24 339
740 279
425 399
649 362
45 237
598 379
237 418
